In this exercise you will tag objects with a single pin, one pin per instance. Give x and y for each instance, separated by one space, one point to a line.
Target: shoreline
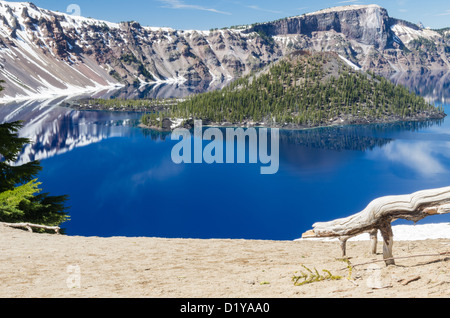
402 232
291 127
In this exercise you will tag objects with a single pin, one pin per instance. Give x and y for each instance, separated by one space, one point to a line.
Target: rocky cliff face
366 36
368 25
47 53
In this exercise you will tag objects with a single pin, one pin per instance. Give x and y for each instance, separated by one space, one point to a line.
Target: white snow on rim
405 233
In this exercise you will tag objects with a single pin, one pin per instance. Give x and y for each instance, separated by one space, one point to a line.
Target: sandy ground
50 266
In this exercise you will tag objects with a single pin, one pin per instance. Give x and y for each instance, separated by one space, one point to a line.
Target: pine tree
20 200
10 147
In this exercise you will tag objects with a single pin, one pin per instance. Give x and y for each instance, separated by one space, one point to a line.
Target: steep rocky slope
44 52
49 53
366 36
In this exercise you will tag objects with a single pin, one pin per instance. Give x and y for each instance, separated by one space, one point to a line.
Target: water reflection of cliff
310 149
55 130
154 91
434 86
355 137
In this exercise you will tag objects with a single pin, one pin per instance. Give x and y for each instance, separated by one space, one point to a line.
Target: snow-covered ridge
36 13
346 8
76 21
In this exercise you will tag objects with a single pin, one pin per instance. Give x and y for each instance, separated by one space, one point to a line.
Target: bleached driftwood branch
379 215
30 226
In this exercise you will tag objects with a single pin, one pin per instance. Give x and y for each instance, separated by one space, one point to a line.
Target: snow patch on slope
407 34
350 63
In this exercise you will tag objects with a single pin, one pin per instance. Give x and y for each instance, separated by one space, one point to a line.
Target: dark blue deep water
122 182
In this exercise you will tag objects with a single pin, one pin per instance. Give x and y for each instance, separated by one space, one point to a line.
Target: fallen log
29 227
379 215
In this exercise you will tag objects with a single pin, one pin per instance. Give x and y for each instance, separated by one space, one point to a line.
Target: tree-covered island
302 90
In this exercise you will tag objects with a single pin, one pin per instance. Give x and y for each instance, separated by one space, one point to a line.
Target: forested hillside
304 90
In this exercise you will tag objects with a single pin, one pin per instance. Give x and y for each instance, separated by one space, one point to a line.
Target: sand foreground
51 266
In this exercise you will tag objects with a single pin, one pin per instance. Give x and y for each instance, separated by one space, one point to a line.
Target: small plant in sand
349 267
313 276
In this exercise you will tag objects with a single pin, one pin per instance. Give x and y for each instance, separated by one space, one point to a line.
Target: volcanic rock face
44 52
367 25
366 36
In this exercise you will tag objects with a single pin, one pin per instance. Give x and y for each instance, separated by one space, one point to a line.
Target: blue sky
207 14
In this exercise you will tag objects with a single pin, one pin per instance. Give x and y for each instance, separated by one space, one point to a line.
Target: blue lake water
122 181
